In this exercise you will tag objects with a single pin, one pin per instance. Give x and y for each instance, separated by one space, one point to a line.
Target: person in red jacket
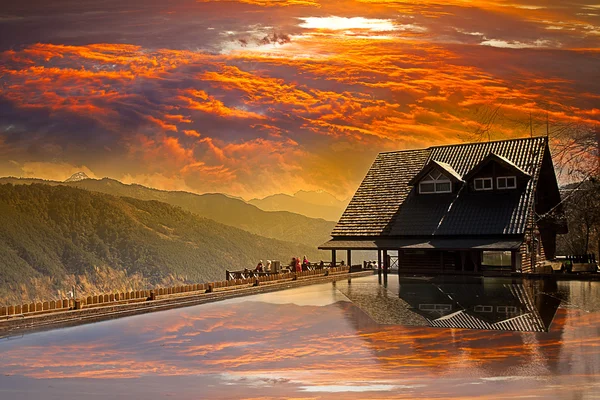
298 265
305 263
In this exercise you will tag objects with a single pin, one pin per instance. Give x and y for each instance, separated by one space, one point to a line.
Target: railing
573 263
117 298
253 273
581 258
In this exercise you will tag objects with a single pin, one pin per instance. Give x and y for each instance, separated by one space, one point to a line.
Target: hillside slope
53 237
311 204
279 225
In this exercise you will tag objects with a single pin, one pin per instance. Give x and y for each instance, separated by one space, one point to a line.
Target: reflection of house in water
494 304
388 319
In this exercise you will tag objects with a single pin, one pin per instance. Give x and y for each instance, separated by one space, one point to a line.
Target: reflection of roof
462 320
464 296
424 244
385 204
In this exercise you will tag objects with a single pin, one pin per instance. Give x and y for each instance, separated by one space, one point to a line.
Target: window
435 307
483 184
435 182
497 259
506 309
506 182
484 308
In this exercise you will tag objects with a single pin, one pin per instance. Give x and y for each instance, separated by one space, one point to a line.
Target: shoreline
62 319
18 325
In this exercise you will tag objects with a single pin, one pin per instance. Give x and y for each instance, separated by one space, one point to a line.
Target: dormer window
483 184
435 182
506 182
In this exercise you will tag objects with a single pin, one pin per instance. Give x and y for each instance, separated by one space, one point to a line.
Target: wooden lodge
467 208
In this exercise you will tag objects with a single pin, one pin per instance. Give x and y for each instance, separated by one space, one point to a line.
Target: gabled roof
443 167
493 157
385 204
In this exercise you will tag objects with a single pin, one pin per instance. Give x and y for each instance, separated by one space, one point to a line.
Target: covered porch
475 255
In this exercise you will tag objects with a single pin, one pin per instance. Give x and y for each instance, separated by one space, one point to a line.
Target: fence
277 269
581 258
100 300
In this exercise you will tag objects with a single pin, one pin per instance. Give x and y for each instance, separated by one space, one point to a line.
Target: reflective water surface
406 338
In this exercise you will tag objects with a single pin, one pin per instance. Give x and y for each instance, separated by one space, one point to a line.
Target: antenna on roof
547 125
530 125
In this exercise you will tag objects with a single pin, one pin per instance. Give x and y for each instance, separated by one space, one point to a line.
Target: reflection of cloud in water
316 295
352 388
274 348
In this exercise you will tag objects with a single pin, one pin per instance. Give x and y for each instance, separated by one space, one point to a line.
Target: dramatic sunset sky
255 97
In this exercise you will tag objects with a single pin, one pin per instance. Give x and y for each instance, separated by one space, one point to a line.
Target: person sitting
268 267
259 267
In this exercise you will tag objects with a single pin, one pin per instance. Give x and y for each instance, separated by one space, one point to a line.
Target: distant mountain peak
78 176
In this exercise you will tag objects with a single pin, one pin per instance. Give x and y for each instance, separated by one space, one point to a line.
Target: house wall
420 259
438 260
435 261
533 249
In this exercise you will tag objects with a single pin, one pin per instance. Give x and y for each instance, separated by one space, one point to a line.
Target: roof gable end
443 167
493 157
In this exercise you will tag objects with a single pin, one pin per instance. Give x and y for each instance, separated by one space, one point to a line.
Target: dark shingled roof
386 205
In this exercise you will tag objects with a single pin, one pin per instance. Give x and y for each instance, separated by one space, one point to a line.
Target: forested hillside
53 237
279 225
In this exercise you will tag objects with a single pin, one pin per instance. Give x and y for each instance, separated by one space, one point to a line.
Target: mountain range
311 204
280 225
55 236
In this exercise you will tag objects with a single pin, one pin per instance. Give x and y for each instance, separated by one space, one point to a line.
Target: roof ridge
404 150
464 144
491 141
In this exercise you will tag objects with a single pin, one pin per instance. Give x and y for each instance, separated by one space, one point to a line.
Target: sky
257 97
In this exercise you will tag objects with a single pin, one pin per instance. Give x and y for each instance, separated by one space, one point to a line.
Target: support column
398 262
349 258
333 260
386 263
379 266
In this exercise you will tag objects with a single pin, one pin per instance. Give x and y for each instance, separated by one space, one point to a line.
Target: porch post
386 263
349 258
333 260
513 261
379 262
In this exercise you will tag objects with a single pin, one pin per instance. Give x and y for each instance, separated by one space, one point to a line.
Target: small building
468 208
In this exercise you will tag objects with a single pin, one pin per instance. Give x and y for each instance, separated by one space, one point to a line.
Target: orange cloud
296 108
